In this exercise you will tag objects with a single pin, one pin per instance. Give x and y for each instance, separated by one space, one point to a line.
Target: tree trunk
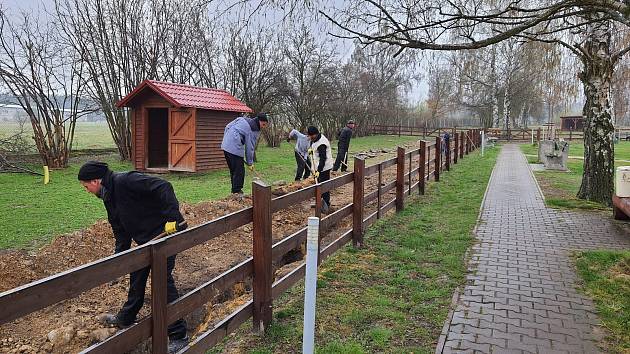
597 179
507 103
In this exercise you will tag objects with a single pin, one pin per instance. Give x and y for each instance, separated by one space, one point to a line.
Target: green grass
31 213
88 135
576 148
559 187
393 295
606 279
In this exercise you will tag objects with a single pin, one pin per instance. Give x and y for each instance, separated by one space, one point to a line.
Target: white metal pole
310 285
532 136
483 142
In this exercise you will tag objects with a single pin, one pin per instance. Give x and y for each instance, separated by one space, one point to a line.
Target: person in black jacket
343 145
139 208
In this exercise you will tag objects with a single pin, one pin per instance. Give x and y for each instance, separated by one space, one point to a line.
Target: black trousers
303 169
135 298
237 171
323 177
342 155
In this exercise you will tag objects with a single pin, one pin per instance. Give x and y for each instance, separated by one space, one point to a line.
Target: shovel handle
181 224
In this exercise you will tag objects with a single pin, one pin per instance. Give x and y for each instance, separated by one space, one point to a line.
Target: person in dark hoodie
321 154
343 145
239 141
139 208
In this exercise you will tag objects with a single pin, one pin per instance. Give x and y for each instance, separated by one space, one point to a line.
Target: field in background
560 188
88 135
32 213
576 149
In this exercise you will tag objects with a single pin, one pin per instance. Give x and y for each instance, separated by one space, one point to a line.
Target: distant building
572 123
12 113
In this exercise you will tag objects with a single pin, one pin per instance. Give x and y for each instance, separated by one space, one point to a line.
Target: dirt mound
72 325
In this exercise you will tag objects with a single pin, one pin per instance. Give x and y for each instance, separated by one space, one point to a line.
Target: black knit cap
312 130
262 117
93 170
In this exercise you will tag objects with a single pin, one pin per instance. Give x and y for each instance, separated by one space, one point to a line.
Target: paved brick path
521 292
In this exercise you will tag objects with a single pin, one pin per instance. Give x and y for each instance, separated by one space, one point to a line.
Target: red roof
189 96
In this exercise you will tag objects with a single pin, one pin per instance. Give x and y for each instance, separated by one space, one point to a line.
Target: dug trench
72 325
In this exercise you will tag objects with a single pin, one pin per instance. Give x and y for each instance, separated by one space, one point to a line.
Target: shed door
181 140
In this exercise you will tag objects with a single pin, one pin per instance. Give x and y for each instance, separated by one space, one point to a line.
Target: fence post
570 134
422 164
310 284
263 276
399 127
400 178
438 155
357 202
318 214
467 148
410 176
456 147
378 190
448 154
462 142
159 335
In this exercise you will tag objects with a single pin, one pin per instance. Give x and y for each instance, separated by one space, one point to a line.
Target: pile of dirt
72 325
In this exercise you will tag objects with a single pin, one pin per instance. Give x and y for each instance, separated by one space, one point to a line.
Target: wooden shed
572 123
179 127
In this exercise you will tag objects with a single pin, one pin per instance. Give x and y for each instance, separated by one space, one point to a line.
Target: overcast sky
344 47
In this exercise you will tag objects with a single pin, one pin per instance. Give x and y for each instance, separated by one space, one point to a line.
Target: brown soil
30 334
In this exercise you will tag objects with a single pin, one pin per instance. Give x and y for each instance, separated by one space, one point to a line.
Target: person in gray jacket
301 154
239 141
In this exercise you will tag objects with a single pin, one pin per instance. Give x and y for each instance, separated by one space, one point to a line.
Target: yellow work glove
316 174
251 167
310 151
170 227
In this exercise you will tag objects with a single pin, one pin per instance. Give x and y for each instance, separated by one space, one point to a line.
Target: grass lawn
88 135
560 188
606 279
393 295
576 148
31 213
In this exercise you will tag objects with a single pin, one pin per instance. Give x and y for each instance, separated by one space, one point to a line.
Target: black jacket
138 206
344 138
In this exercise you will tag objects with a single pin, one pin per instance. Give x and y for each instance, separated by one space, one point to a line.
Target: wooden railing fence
434 157
516 134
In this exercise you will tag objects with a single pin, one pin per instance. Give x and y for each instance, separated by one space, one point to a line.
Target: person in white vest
321 154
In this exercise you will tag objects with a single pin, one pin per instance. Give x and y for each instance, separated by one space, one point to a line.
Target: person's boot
112 320
238 196
175 345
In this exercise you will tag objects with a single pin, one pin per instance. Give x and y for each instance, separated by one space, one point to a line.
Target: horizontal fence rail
414 168
513 134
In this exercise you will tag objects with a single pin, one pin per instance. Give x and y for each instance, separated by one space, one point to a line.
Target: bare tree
122 43
584 27
441 91
311 83
45 80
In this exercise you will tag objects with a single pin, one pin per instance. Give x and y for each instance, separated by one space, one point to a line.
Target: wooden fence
433 158
517 134
401 130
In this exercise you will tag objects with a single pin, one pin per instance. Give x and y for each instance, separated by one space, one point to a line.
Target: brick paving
521 294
